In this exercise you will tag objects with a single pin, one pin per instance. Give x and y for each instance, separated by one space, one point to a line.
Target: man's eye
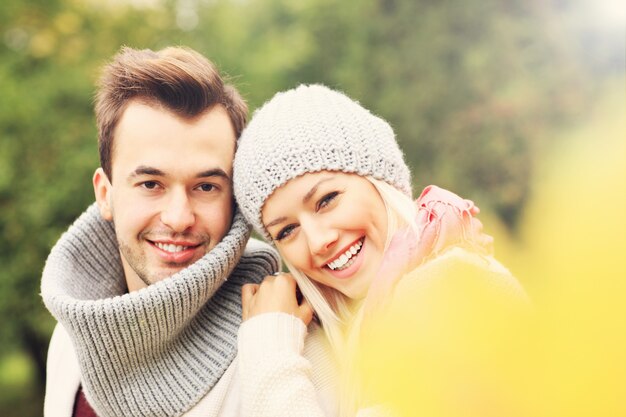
207 187
285 232
150 185
326 200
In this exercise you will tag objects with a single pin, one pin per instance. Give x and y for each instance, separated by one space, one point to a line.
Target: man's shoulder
256 247
258 260
62 375
61 350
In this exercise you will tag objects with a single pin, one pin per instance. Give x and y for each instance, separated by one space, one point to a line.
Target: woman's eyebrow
313 189
275 222
305 199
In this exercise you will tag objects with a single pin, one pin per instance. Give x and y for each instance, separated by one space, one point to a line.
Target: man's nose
178 214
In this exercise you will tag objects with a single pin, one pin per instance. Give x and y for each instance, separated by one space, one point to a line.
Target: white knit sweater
166 350
277 379
232 396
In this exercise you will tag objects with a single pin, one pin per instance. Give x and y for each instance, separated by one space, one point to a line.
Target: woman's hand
277 293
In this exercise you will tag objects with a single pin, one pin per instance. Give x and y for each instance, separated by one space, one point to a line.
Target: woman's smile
332 226
346 266
345 259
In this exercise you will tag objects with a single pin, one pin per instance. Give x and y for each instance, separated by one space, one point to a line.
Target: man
146 285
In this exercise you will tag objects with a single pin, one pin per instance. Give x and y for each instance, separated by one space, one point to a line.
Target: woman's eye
326 200
285 232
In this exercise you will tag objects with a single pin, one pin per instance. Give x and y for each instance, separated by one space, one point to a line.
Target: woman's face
331 226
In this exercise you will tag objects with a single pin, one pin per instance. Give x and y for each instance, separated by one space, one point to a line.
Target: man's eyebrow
215 172
313 189
146 170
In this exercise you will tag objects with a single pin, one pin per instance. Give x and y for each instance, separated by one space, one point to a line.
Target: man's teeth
170 248
345 260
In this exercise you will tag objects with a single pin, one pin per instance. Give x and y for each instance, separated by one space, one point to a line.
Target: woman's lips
356 262
346 256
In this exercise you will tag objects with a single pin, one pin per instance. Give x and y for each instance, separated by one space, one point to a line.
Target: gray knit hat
309 129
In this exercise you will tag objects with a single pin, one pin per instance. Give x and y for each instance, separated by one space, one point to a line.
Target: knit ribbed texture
311 129
276 378
159 350
284 333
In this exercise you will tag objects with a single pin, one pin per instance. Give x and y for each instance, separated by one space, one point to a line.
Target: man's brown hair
177 78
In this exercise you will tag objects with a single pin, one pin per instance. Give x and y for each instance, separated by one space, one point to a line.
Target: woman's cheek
292 255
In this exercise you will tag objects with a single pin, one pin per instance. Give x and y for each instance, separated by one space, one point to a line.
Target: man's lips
174 247
175 252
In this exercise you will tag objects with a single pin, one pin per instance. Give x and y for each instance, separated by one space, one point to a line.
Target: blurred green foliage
475 90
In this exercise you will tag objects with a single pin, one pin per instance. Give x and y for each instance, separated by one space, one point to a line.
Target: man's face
171 196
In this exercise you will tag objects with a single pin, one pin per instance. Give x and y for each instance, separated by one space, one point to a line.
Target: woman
324 180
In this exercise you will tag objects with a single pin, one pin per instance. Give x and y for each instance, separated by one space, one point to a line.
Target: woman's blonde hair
340 317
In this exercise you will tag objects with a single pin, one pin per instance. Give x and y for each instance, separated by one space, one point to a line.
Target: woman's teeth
170 248
347 258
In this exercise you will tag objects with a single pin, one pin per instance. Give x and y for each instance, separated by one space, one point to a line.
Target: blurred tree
469 86
41 114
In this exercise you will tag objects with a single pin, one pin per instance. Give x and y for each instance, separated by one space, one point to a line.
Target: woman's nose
321 238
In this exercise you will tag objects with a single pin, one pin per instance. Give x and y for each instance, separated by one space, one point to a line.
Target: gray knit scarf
159 350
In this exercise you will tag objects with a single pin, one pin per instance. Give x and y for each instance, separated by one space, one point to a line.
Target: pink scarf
444 220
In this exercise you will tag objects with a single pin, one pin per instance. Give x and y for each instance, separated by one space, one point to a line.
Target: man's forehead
154 136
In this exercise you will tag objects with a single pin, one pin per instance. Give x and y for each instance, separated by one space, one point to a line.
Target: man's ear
103 189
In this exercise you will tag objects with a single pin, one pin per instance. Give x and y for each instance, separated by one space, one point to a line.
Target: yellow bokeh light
459 356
